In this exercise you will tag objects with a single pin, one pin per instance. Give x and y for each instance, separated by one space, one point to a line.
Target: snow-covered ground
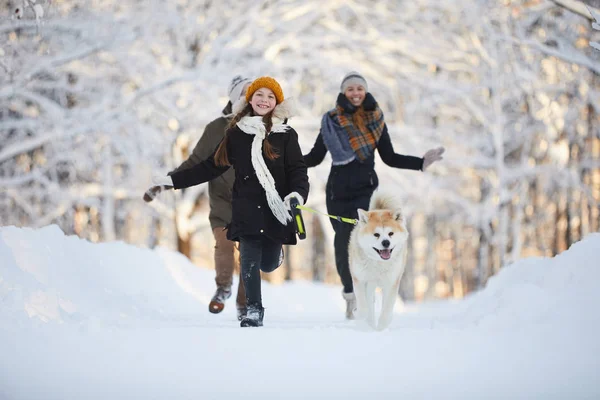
111 321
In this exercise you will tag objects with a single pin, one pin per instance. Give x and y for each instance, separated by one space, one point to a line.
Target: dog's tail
384 201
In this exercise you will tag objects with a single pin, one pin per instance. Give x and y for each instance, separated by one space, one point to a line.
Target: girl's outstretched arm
206 171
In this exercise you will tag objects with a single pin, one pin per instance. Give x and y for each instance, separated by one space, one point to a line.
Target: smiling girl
269 171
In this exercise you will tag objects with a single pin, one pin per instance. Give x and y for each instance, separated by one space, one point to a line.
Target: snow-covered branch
577 7
595 25
92 103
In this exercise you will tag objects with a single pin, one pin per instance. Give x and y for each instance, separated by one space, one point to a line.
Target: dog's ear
362 216
398 216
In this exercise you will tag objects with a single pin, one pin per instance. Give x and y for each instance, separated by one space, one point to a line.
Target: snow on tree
595 25
96 97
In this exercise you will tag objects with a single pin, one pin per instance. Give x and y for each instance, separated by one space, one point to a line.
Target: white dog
377 252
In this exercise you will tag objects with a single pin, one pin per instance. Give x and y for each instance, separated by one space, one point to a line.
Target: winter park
299 199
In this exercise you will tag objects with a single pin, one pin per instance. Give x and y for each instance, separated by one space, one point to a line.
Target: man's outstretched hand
160 183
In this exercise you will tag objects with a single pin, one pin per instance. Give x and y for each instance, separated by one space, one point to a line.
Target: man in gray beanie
219 193
237 87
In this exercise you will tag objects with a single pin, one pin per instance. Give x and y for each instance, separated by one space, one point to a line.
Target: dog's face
380 232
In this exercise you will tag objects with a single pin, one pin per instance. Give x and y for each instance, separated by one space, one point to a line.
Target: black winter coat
251 214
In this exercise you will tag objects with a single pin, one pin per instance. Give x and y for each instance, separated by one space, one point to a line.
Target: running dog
377 252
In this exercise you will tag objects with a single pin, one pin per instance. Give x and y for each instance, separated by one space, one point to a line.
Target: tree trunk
184 246
594 172
484 258
447 259
287 262
571 188
517 222
458 283
538 222
502 238
108 200
561 222
431 258
407 283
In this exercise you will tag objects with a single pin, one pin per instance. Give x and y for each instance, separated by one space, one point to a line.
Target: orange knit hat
265 82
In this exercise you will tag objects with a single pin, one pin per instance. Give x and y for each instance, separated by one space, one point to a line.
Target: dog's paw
362 326
371 322
384 322
360 315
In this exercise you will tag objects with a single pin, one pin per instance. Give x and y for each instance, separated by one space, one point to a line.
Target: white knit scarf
255 126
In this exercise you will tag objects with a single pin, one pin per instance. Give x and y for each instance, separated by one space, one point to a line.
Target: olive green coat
219 189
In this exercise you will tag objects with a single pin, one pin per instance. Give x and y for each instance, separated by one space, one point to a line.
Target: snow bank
112 321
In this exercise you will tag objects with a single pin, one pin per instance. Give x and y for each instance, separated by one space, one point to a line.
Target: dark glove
160 183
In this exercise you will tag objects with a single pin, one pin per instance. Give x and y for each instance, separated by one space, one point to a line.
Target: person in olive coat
219 194
351 132
269 171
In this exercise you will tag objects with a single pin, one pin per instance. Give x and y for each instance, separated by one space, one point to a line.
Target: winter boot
242 311
217 304
254 316
350 305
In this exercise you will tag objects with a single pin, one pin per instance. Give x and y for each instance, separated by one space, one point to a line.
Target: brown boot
217 304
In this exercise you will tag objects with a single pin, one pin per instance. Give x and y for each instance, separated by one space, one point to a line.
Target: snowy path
111 321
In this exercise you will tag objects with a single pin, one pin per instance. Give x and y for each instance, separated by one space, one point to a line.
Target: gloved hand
286 200
159 183
432 156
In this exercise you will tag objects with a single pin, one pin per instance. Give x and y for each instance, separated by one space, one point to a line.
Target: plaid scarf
350 132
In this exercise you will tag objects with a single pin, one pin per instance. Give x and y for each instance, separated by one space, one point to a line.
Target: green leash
336 217
299 222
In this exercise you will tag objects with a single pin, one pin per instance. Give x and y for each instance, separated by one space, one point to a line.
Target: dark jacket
357 179
251 213
219 189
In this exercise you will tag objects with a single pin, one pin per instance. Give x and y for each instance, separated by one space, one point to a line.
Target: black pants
348 209
257 253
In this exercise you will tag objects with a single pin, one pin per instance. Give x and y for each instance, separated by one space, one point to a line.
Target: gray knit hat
234 91
353 78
